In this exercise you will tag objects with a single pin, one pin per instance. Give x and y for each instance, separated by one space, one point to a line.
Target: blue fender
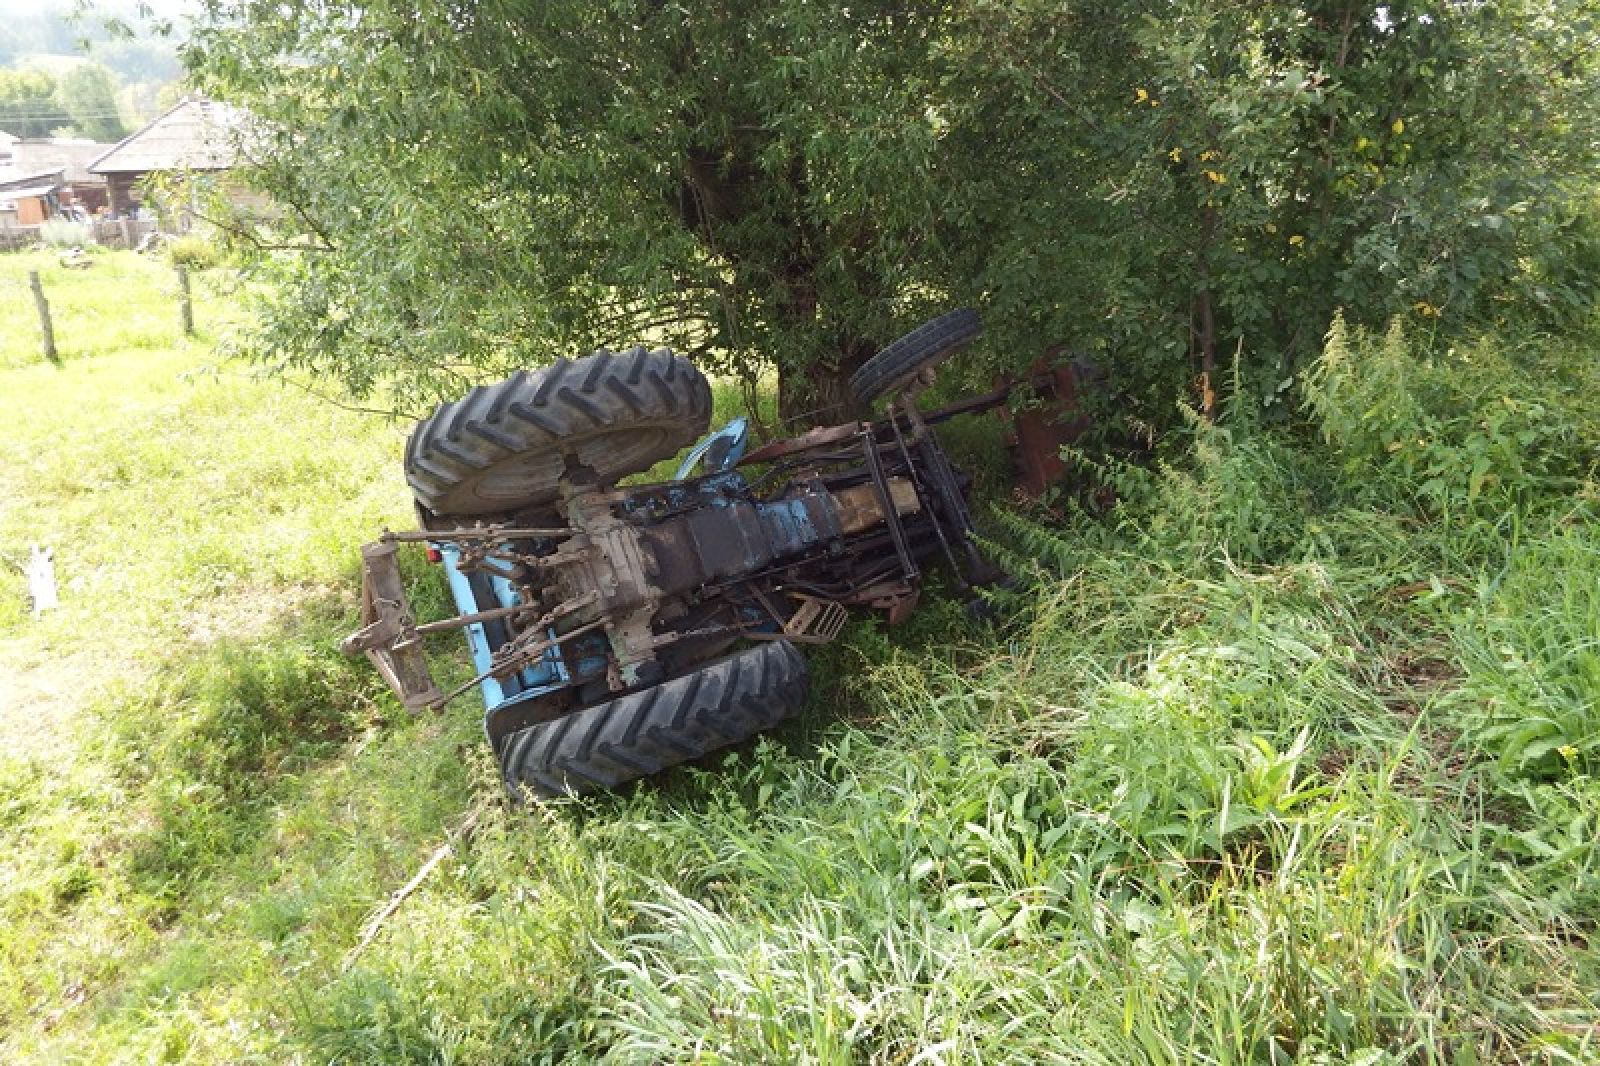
721 450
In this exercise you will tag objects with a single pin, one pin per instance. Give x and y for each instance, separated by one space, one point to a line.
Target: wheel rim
533 477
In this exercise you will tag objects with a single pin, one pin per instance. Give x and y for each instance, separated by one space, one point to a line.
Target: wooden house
81 193
28 198
197 137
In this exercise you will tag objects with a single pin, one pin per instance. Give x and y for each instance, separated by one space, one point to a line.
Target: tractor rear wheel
503 447
640 733
922 349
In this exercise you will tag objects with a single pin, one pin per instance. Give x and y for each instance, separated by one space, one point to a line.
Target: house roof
71 156
23 194
15 181
197 134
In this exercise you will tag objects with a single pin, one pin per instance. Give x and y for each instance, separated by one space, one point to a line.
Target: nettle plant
1465 430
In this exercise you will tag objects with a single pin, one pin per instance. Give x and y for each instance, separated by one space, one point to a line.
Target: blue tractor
619 630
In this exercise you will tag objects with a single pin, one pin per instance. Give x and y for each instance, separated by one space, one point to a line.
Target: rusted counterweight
1036 435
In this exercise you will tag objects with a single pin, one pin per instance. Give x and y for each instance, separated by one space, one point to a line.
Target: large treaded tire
500 447
642 733
926 346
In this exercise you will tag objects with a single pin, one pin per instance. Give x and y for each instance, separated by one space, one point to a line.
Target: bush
195 252
1474 428
59 233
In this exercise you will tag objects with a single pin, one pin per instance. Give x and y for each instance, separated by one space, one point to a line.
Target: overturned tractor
617 631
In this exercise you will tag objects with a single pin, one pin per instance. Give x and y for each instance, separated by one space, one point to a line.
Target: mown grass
1288 756
121 302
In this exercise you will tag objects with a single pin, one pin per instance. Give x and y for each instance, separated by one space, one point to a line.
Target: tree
1167 182
514 181
1175 182
88 93
28 105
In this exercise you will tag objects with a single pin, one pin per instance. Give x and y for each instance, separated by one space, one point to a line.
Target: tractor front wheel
922 349
640 733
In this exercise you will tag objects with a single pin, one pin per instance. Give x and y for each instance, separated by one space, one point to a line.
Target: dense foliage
484 188
28 104
793 183
1190 180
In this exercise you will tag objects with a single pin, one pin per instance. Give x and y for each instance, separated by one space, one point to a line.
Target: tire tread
640 733
926 346
461 443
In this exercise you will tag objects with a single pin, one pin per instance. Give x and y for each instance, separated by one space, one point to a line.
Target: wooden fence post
185 307
44 318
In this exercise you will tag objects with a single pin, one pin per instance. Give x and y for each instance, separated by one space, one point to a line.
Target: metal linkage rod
462 620
524 657
485 533
886 501
933 512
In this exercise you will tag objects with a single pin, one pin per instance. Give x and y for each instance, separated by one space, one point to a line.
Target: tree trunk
1208 355
1208 320
818 392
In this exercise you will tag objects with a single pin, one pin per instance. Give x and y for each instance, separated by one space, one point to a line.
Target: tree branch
375 923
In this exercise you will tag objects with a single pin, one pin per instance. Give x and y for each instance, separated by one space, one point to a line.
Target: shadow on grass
211 743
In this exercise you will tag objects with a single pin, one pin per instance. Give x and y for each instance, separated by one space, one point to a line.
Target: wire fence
109 233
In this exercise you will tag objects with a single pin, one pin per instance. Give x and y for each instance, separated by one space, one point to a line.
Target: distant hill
139 48
54 34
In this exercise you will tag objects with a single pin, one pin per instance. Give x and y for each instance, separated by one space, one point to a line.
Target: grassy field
122 303
1289 757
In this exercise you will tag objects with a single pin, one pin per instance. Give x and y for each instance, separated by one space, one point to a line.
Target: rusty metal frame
389 635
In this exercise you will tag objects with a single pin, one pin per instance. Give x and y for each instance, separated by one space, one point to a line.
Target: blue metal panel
467 603
735 434
549 675
711 490
788 526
